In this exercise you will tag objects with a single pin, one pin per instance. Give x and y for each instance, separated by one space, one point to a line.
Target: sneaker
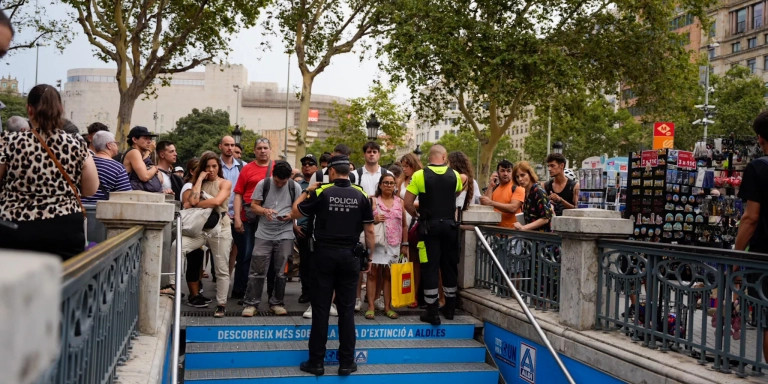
379 303
333 311
303 299
197 302
248 311
358 304
308 313
220 311
278 310
207 300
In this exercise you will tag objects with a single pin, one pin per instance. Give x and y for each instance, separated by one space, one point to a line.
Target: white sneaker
248 311
358 304
308 313
333 311
379 303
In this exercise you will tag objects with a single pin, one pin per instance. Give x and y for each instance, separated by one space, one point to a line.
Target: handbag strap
61 169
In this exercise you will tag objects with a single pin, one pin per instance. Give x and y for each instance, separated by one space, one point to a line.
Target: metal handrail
527 311
176 306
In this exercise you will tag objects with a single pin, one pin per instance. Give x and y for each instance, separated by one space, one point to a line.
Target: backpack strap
239 165
359 175
265 192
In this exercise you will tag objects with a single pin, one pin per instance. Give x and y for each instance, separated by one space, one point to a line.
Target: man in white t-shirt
371 172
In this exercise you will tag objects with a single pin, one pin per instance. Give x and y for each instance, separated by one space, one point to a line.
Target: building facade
91 95
739 28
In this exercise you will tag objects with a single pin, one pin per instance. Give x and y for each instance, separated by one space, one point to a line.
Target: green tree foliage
588 126
151 40
317 31
15 105
198 132
465 141
494 57
739 97
351 121
33 25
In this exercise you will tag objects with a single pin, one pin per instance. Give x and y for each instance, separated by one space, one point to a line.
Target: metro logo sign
664 129
663 135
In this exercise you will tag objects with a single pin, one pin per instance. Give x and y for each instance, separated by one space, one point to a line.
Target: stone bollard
580 229
124 210
474 215
30 291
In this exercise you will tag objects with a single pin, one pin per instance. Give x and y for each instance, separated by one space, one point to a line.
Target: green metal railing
708 303
99 310
532 261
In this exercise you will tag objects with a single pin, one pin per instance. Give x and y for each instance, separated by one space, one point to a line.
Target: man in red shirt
250 175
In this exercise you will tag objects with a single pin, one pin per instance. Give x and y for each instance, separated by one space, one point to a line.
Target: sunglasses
307 164
262 140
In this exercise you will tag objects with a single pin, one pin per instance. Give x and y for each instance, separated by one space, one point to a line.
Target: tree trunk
487 147
306 96
124 114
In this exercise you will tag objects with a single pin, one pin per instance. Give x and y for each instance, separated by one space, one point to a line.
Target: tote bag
403 293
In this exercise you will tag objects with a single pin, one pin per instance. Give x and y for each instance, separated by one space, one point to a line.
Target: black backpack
382 170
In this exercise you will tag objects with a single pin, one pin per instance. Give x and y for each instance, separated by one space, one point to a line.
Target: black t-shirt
340 211
753 187
566 194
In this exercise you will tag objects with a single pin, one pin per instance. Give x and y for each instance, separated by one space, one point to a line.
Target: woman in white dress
388 211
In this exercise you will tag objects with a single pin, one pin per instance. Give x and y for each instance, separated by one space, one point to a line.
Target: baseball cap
178 169
338 160
139 131
309 157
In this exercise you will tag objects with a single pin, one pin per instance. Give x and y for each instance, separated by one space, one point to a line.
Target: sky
346 77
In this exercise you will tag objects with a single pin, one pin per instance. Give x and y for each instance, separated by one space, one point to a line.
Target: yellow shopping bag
402 284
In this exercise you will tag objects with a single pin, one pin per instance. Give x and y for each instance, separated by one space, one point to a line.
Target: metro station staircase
268 349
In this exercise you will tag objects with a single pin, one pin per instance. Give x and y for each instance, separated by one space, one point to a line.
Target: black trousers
336 269
63 236
442 246
305 268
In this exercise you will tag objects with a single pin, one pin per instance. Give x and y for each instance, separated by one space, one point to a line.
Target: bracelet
404 244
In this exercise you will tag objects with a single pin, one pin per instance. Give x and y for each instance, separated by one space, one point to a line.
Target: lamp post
557 147
372 125
236 88
237 134
706 108
417 151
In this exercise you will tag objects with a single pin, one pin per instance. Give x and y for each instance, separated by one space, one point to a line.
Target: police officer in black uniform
436 187
342 211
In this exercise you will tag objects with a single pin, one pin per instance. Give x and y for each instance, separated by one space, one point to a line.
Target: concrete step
293 328
450 373
291 353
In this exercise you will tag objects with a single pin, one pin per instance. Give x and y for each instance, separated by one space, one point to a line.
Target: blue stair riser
203 334
490 377
254 359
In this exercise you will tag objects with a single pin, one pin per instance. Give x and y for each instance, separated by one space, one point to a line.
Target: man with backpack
246 220
563 192
504 195
272 200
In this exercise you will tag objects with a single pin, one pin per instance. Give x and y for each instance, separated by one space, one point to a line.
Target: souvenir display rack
662 197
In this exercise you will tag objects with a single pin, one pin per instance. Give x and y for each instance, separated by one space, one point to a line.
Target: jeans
244 250
263 253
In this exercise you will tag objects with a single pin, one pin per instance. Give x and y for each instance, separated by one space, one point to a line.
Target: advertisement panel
522 361
314 115
663 135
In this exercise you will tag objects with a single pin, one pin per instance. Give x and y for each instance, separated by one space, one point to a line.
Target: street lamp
237 134
706 108
236 88
557 147
417 151
373 127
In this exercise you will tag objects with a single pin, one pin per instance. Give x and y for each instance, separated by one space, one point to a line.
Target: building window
437 135
751 65
711 53
757 15
713 29
741 21
766 90
765 63
736 47
752 43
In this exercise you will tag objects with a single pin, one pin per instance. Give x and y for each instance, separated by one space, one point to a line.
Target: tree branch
194 63
464 111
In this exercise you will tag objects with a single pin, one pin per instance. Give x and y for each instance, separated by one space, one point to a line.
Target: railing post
580 229
30 314
124 210
474 215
